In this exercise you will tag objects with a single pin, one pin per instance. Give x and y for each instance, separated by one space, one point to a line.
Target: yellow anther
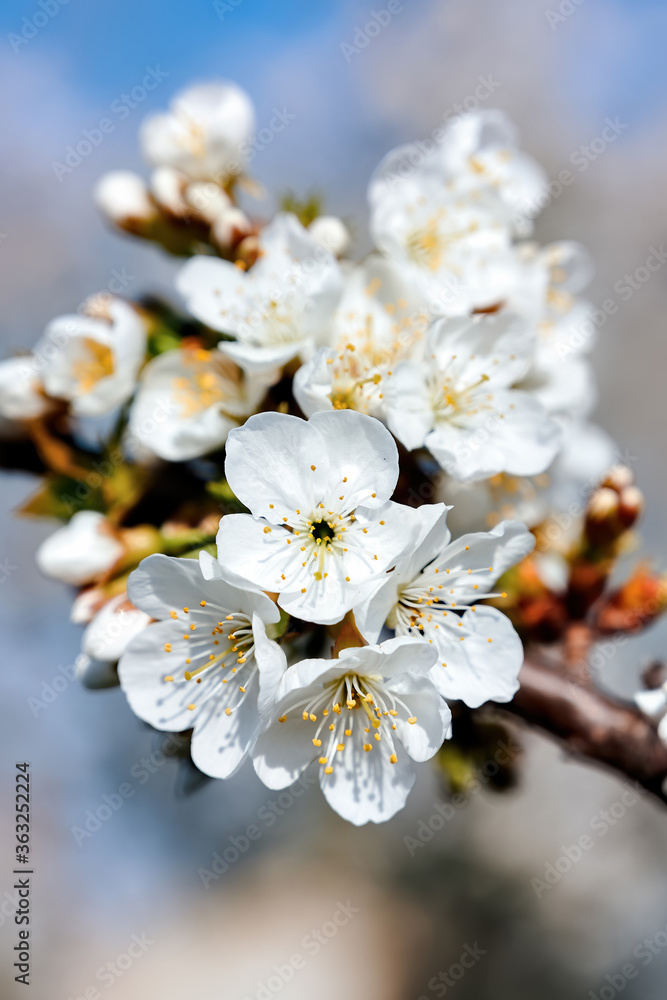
393 759
340 746
283 718
412 720
317 743
167 647
192 707
169 677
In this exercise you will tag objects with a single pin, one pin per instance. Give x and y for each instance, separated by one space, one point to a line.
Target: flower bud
231 226
81 551
634 605
207 199
124 199
631 505
112 628
168 188
331 233
618 477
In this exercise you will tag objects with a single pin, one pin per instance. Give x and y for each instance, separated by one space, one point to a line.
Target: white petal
360 450
272 664
366 787
220 741
283 751
488 554
477 670
423 738
279 460
409 412
142 670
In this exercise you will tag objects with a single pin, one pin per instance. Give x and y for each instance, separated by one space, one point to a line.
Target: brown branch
591 726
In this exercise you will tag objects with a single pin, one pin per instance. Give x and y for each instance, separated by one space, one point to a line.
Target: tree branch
591 726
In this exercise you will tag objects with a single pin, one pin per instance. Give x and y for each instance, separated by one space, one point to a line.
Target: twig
592 727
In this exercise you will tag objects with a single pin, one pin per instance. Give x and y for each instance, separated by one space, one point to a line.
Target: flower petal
485 665
276 464
360 450
366 787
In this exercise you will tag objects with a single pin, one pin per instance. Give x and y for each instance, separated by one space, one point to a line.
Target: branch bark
591 726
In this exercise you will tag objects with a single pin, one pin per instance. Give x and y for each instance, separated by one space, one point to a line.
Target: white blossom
207 663
187 402
204 134
321 524
93 361
434 592
460 402
379 322
280 309
364 717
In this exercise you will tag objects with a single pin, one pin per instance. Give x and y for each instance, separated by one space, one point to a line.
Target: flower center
322 532
353 707
220 651
97 363
205 384
448 399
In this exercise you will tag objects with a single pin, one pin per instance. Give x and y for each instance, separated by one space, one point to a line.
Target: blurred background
365 913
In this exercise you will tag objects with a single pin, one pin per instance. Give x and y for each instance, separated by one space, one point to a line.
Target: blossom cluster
328 617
